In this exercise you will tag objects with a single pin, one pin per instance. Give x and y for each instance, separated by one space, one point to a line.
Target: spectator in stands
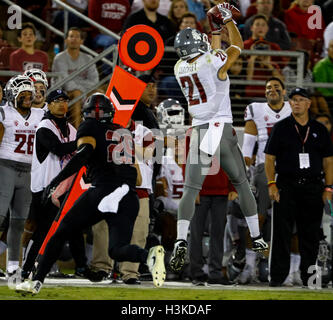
150 17
297 17
323 72
163 9
199 8
27 57
111 14
177 9
73 20
259 29
69 61
277 30
260 67
3 42
318 102
328 36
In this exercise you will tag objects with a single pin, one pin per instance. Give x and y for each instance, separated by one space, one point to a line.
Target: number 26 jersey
207 96
17 142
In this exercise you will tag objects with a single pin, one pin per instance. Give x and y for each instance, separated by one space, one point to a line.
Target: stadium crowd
33 51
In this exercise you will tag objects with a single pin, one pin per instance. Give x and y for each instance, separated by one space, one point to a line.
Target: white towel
212 138
110 203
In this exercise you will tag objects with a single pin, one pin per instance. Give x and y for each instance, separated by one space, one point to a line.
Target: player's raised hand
226 10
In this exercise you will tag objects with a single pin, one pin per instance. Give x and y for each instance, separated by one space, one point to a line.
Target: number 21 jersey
17 142
207 96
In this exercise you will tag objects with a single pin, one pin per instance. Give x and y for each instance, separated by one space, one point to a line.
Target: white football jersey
17 142
264 117
207 96
171 171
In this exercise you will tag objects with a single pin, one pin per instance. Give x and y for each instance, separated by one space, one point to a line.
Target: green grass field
120 293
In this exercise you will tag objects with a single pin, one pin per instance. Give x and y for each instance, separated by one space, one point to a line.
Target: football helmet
16 85
170 112
37 75
189 43
98 106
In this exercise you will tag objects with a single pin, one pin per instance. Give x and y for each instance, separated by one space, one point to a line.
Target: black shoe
178 255
273 283
84 272
223 281
2 274
259 244
95 276
132 281
200 281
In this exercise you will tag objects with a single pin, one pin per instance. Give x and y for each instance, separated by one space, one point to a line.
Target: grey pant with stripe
197 166
15 196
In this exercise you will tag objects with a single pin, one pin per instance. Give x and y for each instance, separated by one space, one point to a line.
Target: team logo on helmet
189 43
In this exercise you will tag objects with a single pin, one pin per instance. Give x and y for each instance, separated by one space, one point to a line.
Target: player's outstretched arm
86 146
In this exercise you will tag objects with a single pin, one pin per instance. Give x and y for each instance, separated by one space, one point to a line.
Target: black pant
44 217
83 214
301 204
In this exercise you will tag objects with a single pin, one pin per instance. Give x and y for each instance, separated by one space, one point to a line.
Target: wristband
236 47
271 182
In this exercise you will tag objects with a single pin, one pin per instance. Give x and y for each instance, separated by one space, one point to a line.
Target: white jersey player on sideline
260 118
18 123
171 114
203 78
41 84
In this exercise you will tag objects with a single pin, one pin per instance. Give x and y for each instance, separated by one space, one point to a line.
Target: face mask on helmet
37 75
170 112
98 106
15 86
190 43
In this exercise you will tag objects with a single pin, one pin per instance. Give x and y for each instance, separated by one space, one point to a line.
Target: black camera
261 46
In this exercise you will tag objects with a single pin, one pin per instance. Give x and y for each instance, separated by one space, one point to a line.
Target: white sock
295 260
12 266
253 224
89 252
3 247
182 229
251 258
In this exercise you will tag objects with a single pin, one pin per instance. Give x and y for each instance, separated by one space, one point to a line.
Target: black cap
147 78
300 91
56 94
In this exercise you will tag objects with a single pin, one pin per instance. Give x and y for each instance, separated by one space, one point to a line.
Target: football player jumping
202 76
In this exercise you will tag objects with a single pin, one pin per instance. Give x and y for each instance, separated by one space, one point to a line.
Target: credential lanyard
306 136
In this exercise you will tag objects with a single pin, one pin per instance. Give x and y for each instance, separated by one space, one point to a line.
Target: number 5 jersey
19 134
207 96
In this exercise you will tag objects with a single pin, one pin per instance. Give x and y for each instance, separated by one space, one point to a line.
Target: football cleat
259 244
177 260
155 263
29 287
